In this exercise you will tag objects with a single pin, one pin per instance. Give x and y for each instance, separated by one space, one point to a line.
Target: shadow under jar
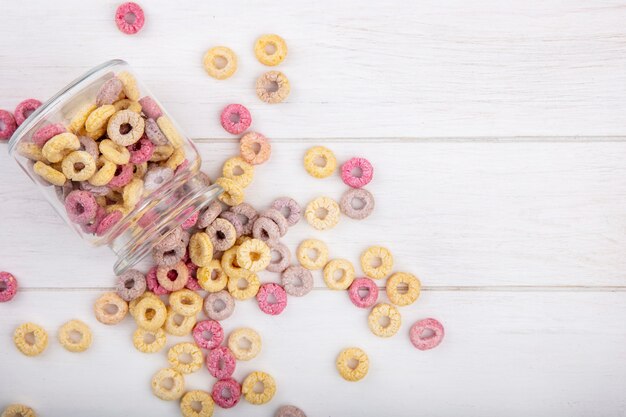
112 163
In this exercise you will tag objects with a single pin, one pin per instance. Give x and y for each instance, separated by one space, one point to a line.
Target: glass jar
115 167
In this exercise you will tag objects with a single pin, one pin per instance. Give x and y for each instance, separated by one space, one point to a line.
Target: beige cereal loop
185 302
105 171
170 132
126 104
150 313
168 391
75 336
254 255
245 343
376 262
212 64
110 308
18 410
49 174
177 158
248 148
250 282
277 50
403 289
79 166
384 312
30 339
99 118
60 145
125 118
322 213
78 121
133 192
115 153
130 85
30 151
272 87
202 398
343 364
149 341
178 325
320 254
233 193
178 364
206 280
231 167
161 153
320 153
140 170
346 270
258 398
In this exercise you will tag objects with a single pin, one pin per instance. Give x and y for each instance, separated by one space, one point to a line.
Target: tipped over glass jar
113 163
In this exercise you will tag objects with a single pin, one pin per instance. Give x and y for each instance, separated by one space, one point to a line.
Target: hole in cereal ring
338 274
427 334
129 283
237 171
384 321
75 336
242 284
207 335
255 256
226 393
118 170
80 209
363 292
320 161
258 387
297 281
312 254
221 363
29 338
234 117
321 213
149 338
196 406
214 275
28 112
178 319
130 18
271 299
275 256
356 172
185 358
244 343
172 274
125 128
79 166
111 309
352 363
242 219
219 305
150 313
186 301
167 383
2 125
375 262
256 147
220 62
285 211
357 203
270 48
264 234
221 236
3 286
271 87
402 288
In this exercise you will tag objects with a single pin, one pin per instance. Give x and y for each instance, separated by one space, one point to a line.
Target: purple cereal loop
109 92
7 125
150 108
292 206
213 311
90 146
25 109
233 389
247 211
92 226
242 116
297 281
265 229
130 285
367 172
152 131
221 362
81 206
153 283
359 194
289 411
234 220
214 332
168 257
141 151
278 218
47 132
222 234
64 190
372 292
129 18
95 190
209 214
430 342
171 240
285 256
156 177
279 294
108 222
9 286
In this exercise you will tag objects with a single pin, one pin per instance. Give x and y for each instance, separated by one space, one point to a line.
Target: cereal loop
109 92
377 262
233 193
238 170
320 254
226 393
208 334
245 343
221 362
289 411
235 119
419 337
253 255
390 318
110 308
149 341
254 397
272 87
173 278
220 62
343 364
320 162
244 286
212 277
129 18
30 339
357 180
115 153
18 410
364 199
99 118
185 302
194 352
30 151
366 286
201 249
280 263
291 206
75 336
49 174
219 305
105 171
178 325
150 313
297 281
60 145
127 104
8 287
47 132
248 148
196 398
121 119
270 50
130 85
169 392
79 166
279 302
322 213
24 109
344 280
222 233
78 121
170 132
7 125
403 289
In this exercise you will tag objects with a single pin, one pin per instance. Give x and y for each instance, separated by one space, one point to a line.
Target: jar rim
51 104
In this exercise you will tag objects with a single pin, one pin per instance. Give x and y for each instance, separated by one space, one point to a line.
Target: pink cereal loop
8 288
191 221
153 283
123 175
242 117
234 393
92 226
369 299
150 108
108 222
47 132
430 342
7 125
280 295
192 282
25 109
129 18
214 331
367 172
141 151
81 206
246 148
221 362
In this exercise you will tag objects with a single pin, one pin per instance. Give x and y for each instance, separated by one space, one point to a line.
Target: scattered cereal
226 393
129 18
110 308
7 125
352 373
419 337
250 393
75 336
297 281
253 255
30 339
245 343
275 291
179 364
219 305
186 302
221 362
168 384
149 341
235 119
384 320
18 410
247 148
322 213
369 290
403 289
346 271
272 87
357 203
24 109
8 286
312 254
220 62
356 179
320 162
289 411
270 50
197 404
377 262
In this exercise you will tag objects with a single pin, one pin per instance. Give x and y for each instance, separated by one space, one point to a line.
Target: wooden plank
480 68
456 214
515 353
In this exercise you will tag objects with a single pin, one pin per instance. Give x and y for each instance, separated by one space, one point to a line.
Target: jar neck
135 238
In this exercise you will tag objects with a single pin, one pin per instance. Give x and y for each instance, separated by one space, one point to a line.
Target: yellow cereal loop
60 145
320 162
238 170
18 410
212 278
249 392
75 336
338 274
244 286
233 193
140 170
132 193
110 308
95 135
200 399
241 239
200 249
105 171
170 132
132 306
150 313
99 118
254 255
230 265
78 121
149 341
117 207
49 174
177 158
78 166
113 152
30 151
30 339
126 104
183 349
130 85
354 373
185 302
376 262
312 254
220 62
384 320
270 50
168 384
161 153
245 343
403 289
322 213
178 325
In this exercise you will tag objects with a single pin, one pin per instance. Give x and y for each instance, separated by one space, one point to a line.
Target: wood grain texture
374 69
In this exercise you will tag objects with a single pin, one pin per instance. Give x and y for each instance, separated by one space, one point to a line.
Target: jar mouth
51 105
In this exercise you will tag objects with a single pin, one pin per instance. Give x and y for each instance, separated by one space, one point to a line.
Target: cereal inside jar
113 163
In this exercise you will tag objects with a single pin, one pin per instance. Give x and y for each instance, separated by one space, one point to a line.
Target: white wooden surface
497 132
